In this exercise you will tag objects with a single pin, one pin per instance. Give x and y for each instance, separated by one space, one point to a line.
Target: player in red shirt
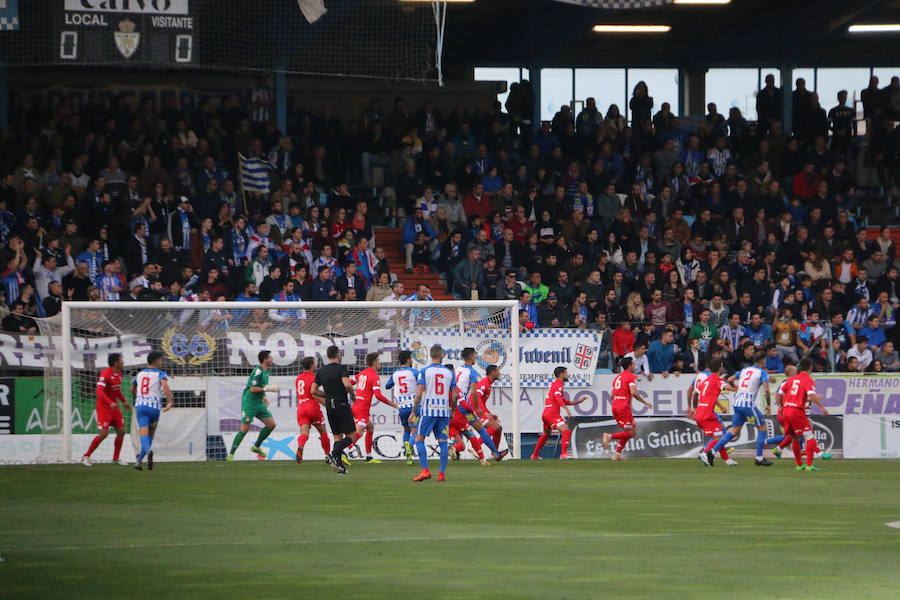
556 400
800 390
368 384
488 420
460 428
109 393
781 440
707 391
309 408
624 389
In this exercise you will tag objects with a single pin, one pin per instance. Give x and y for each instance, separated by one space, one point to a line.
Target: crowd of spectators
677 240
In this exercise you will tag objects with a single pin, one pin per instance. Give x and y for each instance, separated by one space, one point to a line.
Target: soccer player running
403 382
109 394
148 389
368 385
437 393
334 383
624 390
800 390
254 405
782 440
556 400
748 381
473 395
309 410
704 398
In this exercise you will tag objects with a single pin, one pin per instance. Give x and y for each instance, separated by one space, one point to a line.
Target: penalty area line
383 540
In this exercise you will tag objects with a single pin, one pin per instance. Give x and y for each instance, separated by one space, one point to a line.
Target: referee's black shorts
340 417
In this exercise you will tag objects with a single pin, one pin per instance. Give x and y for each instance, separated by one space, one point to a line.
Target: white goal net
210 349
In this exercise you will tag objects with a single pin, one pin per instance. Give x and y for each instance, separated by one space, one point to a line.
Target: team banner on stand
869 436
540 352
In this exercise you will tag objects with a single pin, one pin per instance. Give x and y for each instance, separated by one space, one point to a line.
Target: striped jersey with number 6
438 381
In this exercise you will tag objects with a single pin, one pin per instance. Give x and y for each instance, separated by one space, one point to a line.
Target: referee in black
334 381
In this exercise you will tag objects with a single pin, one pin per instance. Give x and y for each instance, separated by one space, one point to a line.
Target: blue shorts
146 416
404 416
743 414
437 426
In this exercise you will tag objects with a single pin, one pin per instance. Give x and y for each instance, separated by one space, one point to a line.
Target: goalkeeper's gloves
271 387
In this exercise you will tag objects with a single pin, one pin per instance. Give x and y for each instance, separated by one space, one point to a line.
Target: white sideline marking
894 524
381 540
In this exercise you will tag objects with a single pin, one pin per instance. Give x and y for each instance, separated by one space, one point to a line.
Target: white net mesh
210 350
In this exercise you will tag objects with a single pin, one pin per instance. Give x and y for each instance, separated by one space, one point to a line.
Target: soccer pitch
579 529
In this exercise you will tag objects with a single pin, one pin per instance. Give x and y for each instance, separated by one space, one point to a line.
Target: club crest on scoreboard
127 39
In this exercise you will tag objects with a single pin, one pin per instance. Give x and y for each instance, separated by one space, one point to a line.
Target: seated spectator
774 361
860 351
785 332
760 333
873 332
692 357
536 288
641 360
17 322
551 313
888 357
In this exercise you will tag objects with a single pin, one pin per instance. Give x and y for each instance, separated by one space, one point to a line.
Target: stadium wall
865 421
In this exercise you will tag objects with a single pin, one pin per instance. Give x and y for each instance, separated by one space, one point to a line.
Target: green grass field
582 529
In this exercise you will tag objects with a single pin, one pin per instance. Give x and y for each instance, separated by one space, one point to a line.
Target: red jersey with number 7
797 390
622 389
303 386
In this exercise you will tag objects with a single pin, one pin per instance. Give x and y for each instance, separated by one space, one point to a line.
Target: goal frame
67 345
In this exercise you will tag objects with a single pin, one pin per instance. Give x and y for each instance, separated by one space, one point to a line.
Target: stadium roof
742 33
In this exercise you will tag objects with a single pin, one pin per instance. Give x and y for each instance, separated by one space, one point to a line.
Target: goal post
210 348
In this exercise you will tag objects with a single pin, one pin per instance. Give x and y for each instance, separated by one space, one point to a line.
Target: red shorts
552 421
795 422
623 416
458 424
709 425
362 415
108 417
310 413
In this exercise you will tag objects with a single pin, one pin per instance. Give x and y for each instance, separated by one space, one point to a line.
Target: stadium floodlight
632 28
875 28
209 349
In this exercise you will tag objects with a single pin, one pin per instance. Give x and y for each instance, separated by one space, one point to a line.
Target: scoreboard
140 32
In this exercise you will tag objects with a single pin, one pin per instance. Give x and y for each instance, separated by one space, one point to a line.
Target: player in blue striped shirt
404 381
148 389
437 394
748 382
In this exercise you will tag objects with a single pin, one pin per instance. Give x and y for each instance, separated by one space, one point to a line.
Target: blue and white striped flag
254 174
618 4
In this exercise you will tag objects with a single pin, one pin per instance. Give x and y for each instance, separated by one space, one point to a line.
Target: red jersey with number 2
797 390
622 389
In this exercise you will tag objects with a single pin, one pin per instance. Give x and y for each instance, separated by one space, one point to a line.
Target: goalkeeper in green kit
255 405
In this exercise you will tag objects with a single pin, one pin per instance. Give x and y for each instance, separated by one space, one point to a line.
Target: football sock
566 436
94 443
263 434
811 447
369 436
423 453
623 435
476 446
795 447
442 444
495 436
117 446
459 446
301 440
723 453
340 446
760 443
722 441
238 438
326 443
488 441
785 442
621 446
146 440
709 446
406 435
775 440
540 443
